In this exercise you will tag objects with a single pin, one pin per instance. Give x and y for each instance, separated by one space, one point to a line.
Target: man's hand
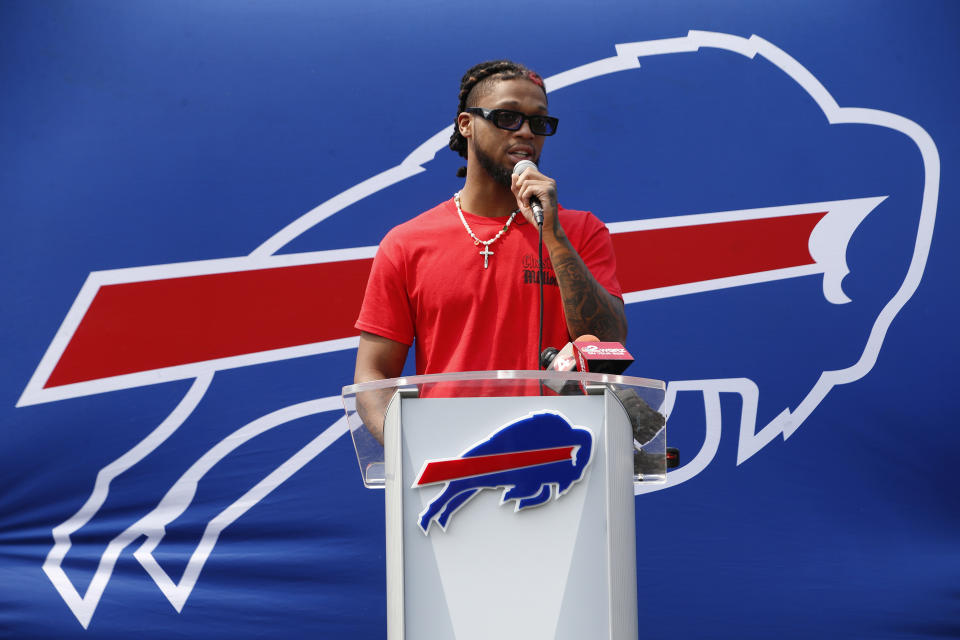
532 183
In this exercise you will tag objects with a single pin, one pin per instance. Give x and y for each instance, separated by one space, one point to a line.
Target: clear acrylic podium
510 499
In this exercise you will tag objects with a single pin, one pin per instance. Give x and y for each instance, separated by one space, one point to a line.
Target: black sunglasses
513 120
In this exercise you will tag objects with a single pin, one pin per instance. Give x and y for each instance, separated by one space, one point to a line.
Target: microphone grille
522 166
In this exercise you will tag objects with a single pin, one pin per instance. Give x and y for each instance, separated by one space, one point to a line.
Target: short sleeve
386 309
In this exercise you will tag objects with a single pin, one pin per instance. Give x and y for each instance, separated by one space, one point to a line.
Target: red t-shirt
428 285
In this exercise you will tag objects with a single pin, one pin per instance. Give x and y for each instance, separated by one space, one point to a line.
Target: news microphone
587 353
601 357
547 356
564 359
519 168
613 358
552 359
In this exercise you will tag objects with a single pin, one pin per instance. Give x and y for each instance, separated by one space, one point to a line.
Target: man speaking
460 281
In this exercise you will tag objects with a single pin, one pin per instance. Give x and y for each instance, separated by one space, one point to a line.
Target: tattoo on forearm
587 305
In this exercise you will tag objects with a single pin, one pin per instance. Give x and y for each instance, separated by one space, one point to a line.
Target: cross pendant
486 253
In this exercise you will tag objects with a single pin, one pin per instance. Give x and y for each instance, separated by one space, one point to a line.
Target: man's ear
465 125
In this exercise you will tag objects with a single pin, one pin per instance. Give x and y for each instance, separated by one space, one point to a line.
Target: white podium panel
562 569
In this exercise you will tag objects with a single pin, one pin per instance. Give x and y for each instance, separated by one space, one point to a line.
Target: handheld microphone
519 168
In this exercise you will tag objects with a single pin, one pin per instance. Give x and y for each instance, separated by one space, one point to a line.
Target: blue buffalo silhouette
529 486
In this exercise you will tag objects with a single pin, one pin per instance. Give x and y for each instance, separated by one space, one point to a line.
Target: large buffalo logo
766 236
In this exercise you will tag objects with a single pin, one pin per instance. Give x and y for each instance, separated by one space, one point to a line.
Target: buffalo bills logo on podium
528 458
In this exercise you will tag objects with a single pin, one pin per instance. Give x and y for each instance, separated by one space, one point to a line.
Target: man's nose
525 131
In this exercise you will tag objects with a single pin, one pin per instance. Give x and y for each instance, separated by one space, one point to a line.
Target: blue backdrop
217 496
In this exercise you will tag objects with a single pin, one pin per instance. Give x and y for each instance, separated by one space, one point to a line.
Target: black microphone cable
540 278
534 204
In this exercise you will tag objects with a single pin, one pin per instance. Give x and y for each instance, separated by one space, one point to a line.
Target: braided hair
478 76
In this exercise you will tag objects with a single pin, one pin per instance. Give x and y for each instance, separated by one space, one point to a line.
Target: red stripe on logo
456 468
655 258
141 326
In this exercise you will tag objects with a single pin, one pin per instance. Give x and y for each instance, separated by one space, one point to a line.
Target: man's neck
482 196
